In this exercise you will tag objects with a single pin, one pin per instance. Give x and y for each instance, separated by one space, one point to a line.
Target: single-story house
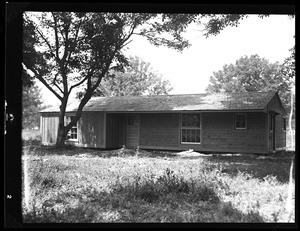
252 122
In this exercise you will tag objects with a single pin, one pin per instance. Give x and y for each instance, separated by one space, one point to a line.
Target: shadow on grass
124 206
259 166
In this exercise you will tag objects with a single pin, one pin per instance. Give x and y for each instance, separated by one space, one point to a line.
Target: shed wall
91 129
218 133
280 138
49 125
159 129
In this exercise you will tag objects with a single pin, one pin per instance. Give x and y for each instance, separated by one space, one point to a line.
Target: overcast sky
189 71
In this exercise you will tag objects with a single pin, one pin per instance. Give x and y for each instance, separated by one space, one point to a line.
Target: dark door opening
132 131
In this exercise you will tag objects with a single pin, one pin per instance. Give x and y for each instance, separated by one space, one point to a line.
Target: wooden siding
159 129
280 137
219 133
274 105
115 130
162 131
49 125
91 130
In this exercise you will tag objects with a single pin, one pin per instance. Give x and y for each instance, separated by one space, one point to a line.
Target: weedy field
87 185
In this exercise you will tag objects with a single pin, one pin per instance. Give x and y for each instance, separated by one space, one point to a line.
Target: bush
31 137
153 189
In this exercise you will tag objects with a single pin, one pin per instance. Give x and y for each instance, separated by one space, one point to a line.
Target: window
284 124
72 133
190 128
240 121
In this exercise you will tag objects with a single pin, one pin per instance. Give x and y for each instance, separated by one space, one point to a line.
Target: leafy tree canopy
253 74
31 104
138 78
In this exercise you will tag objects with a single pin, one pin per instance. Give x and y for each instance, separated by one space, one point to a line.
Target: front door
132 131
272 132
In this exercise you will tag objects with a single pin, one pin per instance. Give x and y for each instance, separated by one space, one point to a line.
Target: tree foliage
252 74
289 67
138 78
74 48
31 104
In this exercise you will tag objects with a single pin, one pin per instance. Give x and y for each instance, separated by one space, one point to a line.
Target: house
224 122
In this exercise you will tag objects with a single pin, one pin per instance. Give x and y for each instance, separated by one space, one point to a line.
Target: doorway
132 131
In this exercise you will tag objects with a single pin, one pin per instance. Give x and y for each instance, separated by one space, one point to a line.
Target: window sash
190 128
284 124
72 133
240 121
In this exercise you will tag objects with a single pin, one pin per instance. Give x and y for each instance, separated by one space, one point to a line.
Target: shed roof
187 102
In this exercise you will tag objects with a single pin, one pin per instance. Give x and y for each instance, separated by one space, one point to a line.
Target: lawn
88 185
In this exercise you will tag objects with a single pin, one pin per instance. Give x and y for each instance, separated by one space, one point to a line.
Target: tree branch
75 40
46 41
46 84
55 84
66 45
56 38
79 83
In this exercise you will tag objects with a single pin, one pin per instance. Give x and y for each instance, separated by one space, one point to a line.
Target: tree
251 74
70 49
31 104
138 78
289 69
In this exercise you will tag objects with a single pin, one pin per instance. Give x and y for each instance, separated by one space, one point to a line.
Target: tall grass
92 188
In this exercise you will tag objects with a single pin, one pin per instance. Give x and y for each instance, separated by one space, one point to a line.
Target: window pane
240 121
193 135
198 136
183 135
188 135
189 121
72 133
284 124
196 120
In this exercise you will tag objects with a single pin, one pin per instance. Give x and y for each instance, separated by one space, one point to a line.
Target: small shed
252 122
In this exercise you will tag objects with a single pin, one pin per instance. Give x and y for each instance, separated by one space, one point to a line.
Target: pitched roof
188 102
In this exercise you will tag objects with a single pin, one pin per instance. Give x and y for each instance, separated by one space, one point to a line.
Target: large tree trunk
62 131
61 136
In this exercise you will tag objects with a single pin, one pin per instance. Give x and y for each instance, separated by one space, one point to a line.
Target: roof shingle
188 102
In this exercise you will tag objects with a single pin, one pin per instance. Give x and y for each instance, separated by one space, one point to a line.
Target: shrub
171 183
153 189
31 137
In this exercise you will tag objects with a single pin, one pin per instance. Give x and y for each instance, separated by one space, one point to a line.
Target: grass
87 185
84 185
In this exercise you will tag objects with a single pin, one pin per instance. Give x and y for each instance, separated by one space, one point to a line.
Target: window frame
235 120
284 124
191 128
70 131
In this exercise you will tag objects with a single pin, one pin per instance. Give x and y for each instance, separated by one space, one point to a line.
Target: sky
189 71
